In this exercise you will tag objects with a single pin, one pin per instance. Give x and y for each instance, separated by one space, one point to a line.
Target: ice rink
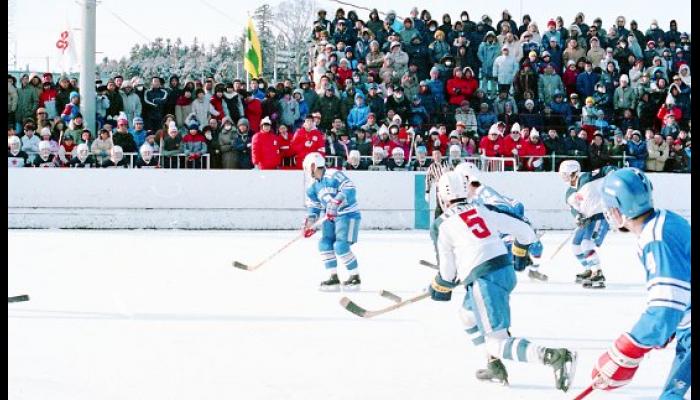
163 315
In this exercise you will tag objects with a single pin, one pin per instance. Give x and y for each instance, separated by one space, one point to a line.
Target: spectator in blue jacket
138 132
487 53
484 119
359 112
561 107
437 87
585 82
637 150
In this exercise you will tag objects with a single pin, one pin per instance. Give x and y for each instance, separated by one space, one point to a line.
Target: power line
129 25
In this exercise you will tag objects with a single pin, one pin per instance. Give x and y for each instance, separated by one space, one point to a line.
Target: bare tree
293 20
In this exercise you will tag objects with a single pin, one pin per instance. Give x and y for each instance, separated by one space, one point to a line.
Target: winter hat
73 94
458 124
515 128
434 69
193 125
138 120
534 133
45 131
551 23
243 121
589 100
625 78
532 54
454 134
529 102
126 84
122 118
265 121
545 54
394 44
571 62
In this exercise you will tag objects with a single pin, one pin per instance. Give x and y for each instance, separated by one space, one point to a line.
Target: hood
470 70
301 93
359 95
243 121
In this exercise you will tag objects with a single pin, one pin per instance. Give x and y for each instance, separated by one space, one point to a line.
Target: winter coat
569 80
12 98
265 150
548 85
438 49
484 122
598 156
504 69
305 142
596 55
525 81
125 140
358 114
155 100
656 155
101 106
399 62
437 88
216 110
625 98
585 84
572 54
132 107
201 110
638 152
289 112
229 158
253 113
47 99
532 154
487 54
101 148
194 145
488 148
183 108
139 137
329 107
27 103
116 105
376 105
457 89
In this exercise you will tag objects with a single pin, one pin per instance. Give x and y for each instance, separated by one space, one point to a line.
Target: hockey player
82 158
435 171
583 197
16 157
146 159
45 158
472 253
332 193
663 247
491 199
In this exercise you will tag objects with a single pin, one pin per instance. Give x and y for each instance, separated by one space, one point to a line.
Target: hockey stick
17 299
361 312
428 264
271 256
585 392
561 246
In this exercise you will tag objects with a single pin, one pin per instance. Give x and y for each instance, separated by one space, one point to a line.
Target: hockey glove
440 289
616 367
308 228
581 220
520 258
536 249
332 209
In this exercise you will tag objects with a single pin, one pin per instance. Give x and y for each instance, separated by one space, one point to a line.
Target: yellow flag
253 53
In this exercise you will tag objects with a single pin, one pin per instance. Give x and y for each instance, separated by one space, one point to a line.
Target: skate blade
351 288
494 380
564 382
329 288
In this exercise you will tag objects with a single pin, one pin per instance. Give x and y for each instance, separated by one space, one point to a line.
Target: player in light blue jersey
663 247
491 199
332 193
583 198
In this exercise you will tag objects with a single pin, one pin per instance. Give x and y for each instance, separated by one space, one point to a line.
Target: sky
123 23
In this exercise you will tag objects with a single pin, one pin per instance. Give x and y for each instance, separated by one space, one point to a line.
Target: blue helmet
629 190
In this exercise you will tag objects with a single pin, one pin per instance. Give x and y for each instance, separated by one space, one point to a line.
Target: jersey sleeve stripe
670 293
666 280
676 305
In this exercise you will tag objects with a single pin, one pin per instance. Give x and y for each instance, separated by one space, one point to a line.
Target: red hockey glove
308 229
616 367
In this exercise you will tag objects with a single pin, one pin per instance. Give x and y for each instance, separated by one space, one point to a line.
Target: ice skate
330 285
537 275
583 275
563 362
352 284
495 371
596 281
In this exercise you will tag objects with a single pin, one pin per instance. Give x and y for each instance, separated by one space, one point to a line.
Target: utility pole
87 66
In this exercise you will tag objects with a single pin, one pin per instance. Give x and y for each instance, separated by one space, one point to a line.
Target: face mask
448 63
623 45
432 29
465 19
601 90
654 26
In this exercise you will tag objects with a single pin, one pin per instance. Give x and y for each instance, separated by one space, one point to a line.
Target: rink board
225 199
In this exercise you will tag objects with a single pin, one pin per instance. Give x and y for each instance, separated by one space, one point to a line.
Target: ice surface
164 315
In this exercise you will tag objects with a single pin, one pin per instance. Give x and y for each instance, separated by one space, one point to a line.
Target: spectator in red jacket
471 83
668 108
569 77
217 101
490 145
513 146
457 88
285 140
48 95
265 147
253 111
533 152
307 139
384 140
437 141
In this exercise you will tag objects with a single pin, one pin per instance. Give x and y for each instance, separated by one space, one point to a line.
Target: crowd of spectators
391 93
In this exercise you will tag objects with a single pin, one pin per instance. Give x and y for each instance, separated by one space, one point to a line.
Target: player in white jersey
663 247
491 199
471 252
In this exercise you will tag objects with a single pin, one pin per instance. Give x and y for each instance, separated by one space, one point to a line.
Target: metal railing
486 164
177 161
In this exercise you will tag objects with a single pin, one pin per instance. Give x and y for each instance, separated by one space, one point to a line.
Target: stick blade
428 264
16 299
240 265
353 308
391 296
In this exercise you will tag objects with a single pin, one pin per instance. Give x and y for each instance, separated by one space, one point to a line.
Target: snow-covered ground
164 315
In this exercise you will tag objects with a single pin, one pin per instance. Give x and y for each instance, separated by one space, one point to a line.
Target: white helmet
354 157
146 152
568 169
14 143
117 154
44 149
82 151
312 161
397 153
450 187
469 170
